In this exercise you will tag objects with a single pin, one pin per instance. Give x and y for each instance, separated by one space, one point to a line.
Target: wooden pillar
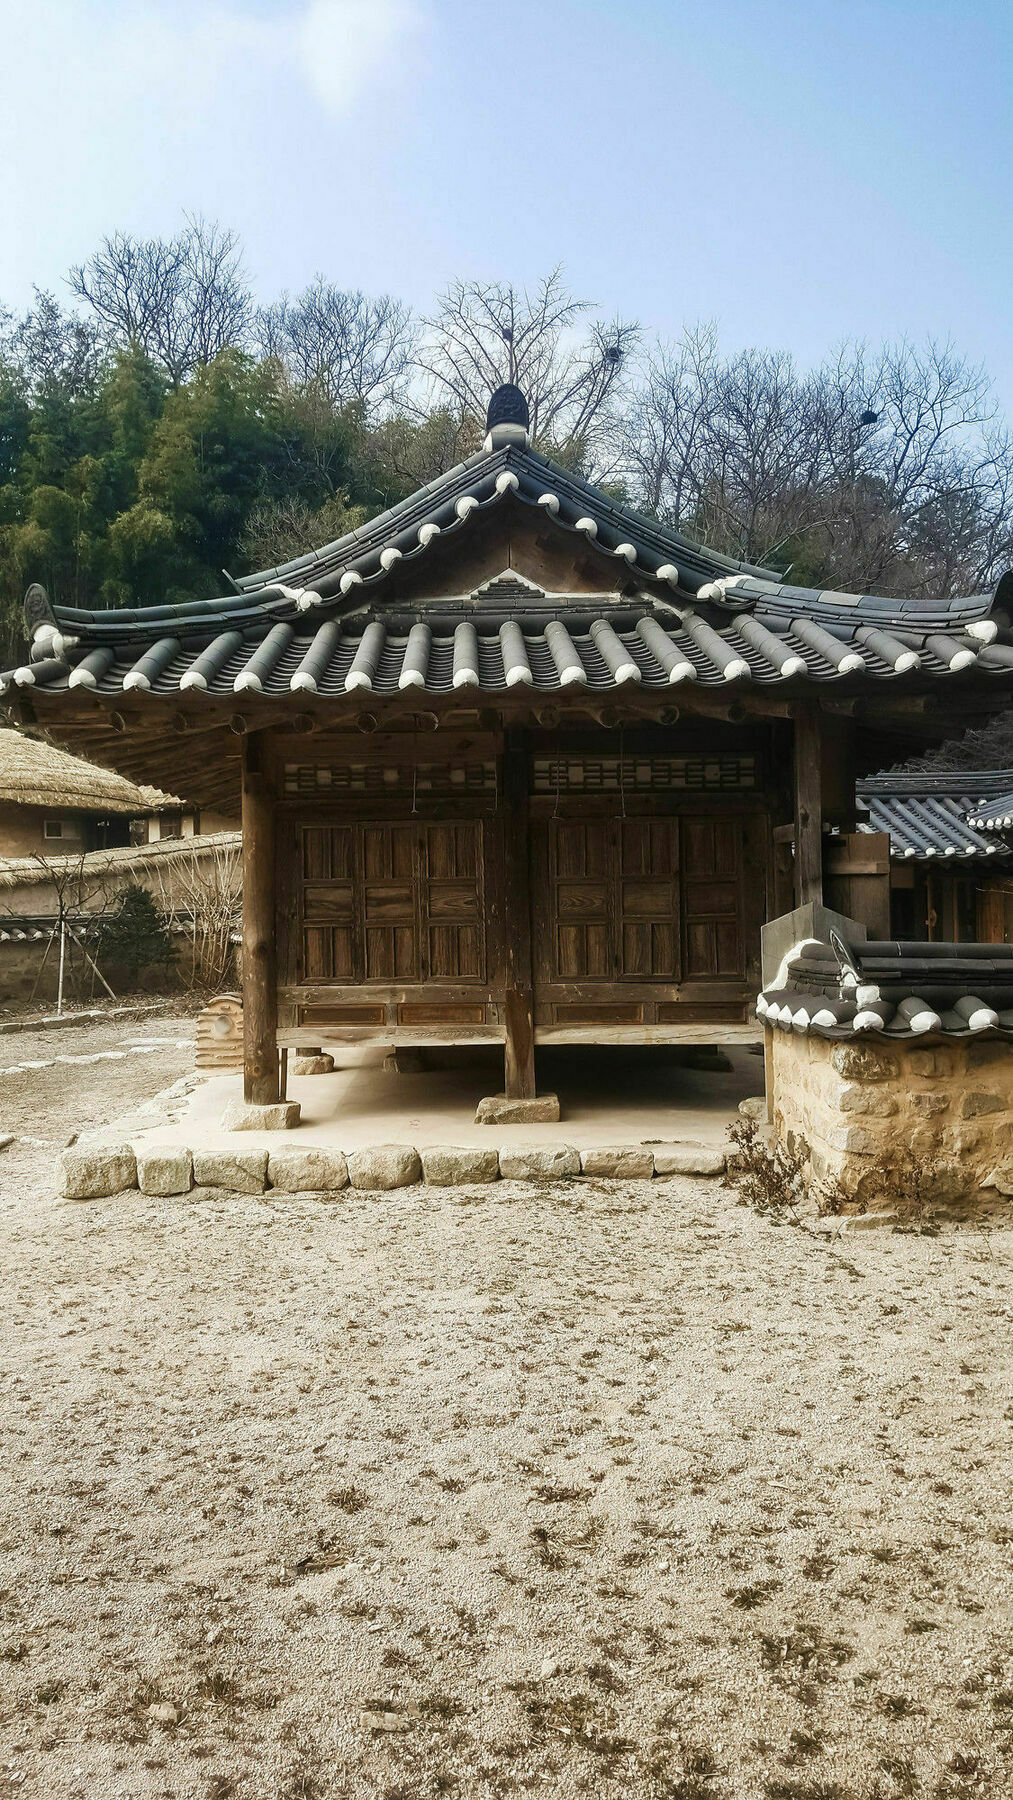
261 1085
519 1004
808 767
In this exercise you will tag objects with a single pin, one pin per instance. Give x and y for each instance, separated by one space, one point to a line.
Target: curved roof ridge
981 782
364 564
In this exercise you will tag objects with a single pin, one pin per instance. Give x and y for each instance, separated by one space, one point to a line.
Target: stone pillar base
405 1062
319 1063
704 1056
239 1115
497 1109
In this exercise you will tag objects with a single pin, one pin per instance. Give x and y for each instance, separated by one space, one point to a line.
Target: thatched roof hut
33 773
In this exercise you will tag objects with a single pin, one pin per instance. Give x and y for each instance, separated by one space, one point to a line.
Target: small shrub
135 934
775 1175
771 1176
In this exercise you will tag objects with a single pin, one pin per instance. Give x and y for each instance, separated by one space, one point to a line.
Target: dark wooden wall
638 864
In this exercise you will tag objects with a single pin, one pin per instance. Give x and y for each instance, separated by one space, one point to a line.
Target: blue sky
796 172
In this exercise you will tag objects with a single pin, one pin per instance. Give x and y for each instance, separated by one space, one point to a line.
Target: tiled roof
996 813
893 989
337 621
930 815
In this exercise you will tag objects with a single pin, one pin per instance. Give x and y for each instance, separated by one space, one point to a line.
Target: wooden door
329 946
647 894
712 894
452 906
392 904
581 903
613 902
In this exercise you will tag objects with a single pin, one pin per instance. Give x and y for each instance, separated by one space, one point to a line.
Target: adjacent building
950 852
53 804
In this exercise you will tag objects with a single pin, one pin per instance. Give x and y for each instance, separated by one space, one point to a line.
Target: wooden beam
519 999
837 764
808 759
260 968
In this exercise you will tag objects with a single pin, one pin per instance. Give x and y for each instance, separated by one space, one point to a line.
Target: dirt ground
579 1490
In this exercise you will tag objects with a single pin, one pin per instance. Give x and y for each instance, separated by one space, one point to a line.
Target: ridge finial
508 420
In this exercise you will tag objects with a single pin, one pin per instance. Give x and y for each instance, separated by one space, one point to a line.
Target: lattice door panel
712 893
614 899
581 902
390 903
648 898
455 915
328 911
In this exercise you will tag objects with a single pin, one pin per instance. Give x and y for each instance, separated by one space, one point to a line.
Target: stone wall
26 971
910 1122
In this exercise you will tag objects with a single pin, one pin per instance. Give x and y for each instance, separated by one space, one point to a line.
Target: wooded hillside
162 424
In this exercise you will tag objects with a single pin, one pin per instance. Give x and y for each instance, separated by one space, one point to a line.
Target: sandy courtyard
584 1489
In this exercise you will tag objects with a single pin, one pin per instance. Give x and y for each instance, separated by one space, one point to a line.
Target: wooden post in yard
260 967
518 1008
808 768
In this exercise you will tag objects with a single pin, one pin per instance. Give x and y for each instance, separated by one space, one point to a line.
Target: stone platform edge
97 1172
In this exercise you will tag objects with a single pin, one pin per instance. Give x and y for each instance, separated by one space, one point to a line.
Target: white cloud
128 112
345 44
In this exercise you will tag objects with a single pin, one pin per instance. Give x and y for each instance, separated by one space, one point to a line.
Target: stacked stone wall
912 1121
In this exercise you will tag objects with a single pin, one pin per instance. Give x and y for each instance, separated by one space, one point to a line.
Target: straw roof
125 859
33 773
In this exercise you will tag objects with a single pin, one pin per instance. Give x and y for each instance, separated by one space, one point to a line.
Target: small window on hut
54 828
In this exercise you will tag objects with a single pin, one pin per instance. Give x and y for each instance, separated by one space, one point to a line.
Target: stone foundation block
164 1170
754 1108
862 1062
95 1174
384 1166
496 1109
311 1065
929 1065
689 1159
449 1166
927 1103
854 1140
406 1061
239 1115
705 1056
307 1171
978 1102
628 1163
540 1163
241 1171
856 1097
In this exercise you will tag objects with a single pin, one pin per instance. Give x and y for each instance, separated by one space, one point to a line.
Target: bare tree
278 530
406 451
341 344
486 333
181 299
888 472
201 896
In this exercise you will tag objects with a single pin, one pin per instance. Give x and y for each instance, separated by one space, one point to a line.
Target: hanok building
517 764
950 864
